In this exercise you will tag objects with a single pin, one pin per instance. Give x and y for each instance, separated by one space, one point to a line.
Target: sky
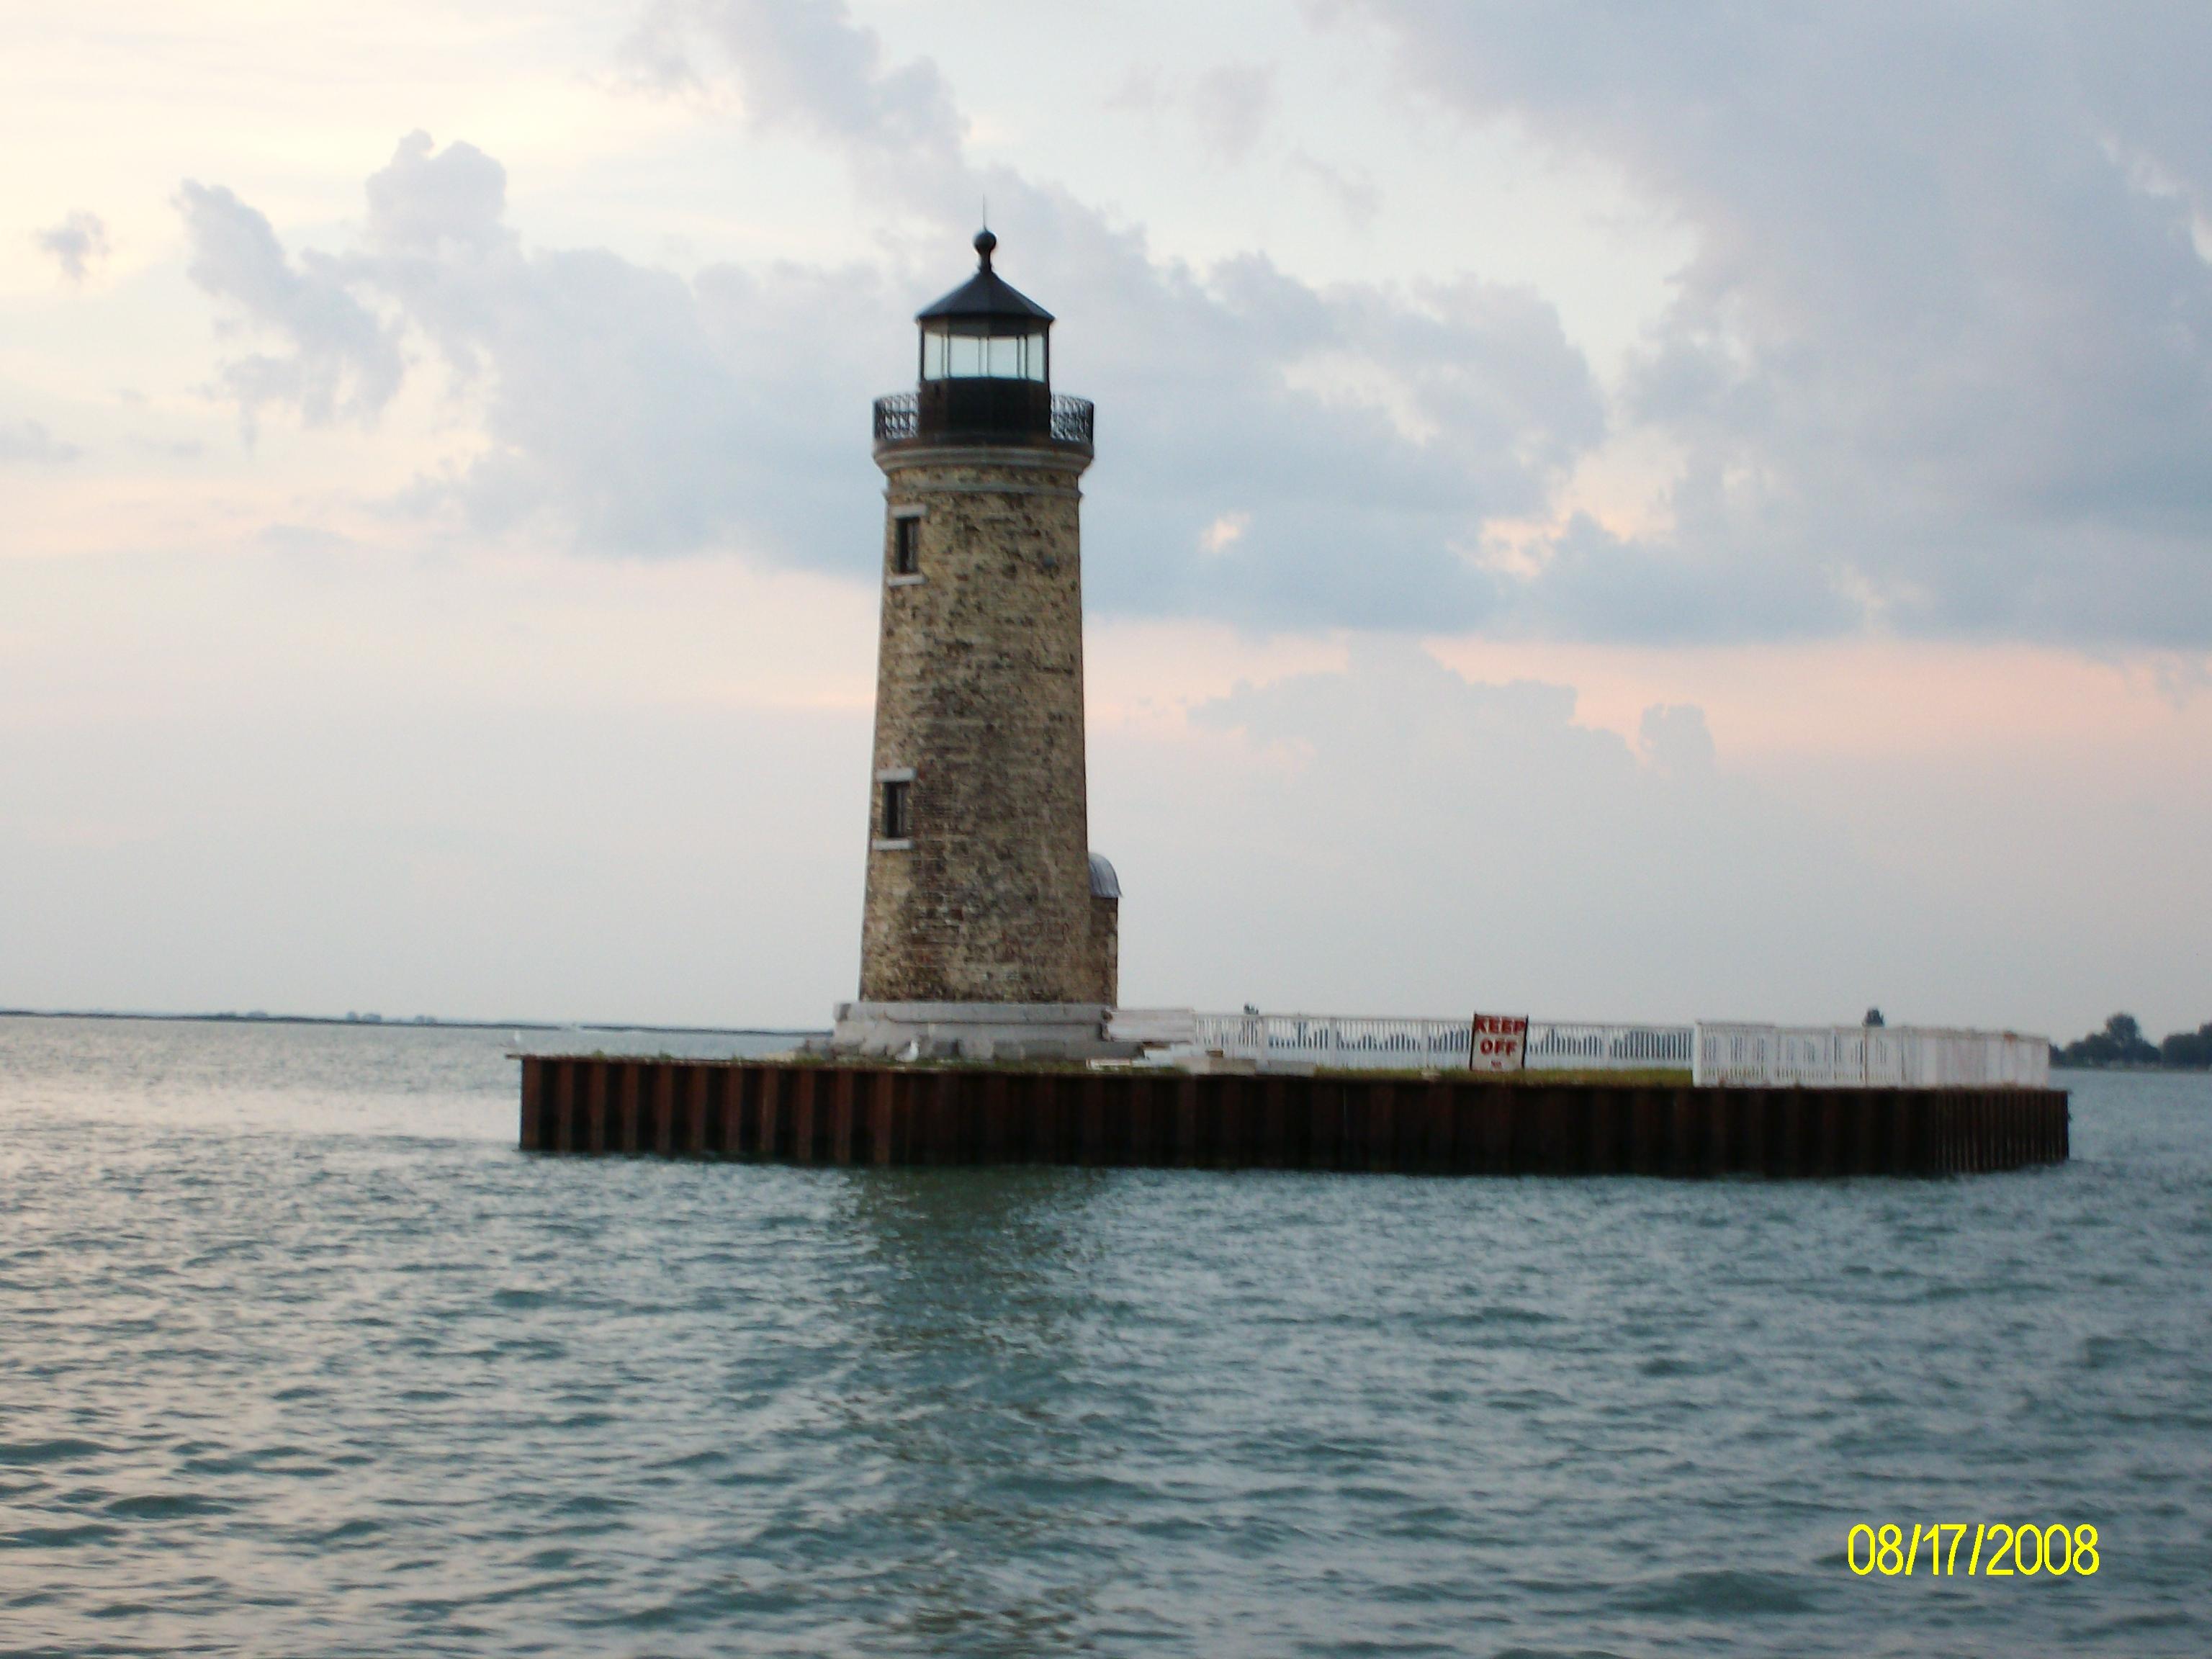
1602 510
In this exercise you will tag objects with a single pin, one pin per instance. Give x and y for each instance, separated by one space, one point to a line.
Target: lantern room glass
955 354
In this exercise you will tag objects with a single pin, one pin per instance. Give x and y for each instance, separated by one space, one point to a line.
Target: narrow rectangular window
898 809
906 546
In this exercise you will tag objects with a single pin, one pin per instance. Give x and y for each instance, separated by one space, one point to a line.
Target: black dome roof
985 295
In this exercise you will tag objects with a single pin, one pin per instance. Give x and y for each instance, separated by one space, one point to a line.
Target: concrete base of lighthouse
994 1032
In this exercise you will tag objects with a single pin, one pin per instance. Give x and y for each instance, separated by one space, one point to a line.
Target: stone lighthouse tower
989 929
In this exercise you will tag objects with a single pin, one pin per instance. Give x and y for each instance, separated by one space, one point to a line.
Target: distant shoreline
416 1023
2124 1066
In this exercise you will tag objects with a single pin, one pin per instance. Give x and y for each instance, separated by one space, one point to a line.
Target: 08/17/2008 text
2000 1549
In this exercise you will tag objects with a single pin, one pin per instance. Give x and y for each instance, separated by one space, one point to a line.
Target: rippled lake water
298 1355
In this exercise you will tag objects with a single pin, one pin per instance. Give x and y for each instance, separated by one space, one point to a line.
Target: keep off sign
1499 1042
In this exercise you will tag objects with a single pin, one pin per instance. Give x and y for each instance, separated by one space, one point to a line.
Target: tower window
897 822
906 546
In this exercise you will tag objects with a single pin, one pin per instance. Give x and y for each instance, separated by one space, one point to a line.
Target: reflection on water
966 1345
298 1356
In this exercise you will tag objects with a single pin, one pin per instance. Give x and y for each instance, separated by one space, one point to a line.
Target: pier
845 1114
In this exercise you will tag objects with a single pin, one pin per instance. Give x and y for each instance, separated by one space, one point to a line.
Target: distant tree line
2123 1043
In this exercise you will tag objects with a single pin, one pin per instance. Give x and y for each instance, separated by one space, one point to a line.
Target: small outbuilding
1106 929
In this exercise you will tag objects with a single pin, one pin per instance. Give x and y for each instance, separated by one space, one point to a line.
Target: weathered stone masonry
980 693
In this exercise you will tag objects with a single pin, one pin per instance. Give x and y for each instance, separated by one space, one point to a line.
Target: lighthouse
989 929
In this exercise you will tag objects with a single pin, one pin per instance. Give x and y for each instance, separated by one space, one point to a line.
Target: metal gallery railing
899 419
1072 419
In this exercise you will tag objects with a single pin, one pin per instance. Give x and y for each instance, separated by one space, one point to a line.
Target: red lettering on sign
1497 1041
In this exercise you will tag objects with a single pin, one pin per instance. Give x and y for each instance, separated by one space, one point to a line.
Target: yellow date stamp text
2000 1549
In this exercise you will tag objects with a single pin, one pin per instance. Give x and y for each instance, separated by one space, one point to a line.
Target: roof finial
984 243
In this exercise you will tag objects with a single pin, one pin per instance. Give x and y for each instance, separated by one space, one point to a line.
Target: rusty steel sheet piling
845 1114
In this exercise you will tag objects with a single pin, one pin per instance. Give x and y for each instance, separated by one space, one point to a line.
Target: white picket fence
1714 1052
1347 1042
1867 1056
1336 1040
1560 1045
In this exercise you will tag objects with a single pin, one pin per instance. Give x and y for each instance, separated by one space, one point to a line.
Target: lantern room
983 369
985 329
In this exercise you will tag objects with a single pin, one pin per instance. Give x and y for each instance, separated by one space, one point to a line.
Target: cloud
1142 90
1593 584
1367 432
1356 195
30 442
78 244
1942 361
1675 739
627 409
804 66
339 360
426 201
1232 104
1225 532
624 409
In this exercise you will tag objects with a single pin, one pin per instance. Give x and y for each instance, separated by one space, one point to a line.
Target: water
299 1357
